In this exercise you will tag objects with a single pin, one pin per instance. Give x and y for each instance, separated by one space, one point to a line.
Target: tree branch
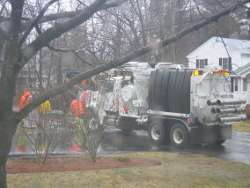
74 52
70 14
36 20
135 54
45 38
52 17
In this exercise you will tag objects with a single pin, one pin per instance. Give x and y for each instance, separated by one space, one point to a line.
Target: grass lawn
243 126
177 171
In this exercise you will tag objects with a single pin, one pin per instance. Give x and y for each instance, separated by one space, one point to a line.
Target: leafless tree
45 133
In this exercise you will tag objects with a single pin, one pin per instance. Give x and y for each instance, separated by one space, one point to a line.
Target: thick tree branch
36 20
49 17
61 15
69 14
135 54
45 38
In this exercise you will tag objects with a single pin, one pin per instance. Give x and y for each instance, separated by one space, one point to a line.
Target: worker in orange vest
24 99
77 108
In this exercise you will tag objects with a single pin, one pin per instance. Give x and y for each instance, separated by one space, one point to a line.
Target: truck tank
192 107
169 91
206 97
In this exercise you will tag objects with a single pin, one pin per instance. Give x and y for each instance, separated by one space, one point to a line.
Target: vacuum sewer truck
174 104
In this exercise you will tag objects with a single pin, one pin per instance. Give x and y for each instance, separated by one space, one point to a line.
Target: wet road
237 148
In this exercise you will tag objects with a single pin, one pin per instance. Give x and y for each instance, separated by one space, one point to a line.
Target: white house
229 54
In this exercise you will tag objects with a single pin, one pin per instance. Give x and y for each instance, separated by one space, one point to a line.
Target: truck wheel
126 125
157 131
179 135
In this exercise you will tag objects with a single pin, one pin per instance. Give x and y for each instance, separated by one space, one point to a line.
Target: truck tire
157 131
126 125
179 135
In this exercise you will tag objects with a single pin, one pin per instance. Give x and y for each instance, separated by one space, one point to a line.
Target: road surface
237 148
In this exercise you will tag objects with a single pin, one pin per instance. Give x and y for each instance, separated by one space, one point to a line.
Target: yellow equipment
45 107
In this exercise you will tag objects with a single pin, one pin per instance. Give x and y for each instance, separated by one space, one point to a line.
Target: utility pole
173 5
248 21
248 37
245 24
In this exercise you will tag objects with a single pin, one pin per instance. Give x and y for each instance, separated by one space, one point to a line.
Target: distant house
229 54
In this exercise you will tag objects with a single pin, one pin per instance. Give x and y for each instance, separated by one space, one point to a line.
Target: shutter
220 61
206 62
232 85
197 63
230 64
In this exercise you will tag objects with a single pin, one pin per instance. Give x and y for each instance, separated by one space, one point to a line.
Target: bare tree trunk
7 130
9 72
8 121
3 179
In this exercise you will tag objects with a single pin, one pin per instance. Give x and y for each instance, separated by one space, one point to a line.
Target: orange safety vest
24 99
77 108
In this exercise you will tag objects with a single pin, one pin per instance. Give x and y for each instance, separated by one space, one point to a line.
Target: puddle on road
237 148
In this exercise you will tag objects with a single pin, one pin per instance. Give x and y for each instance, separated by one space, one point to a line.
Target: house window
201 63
235 84
244 84
226 63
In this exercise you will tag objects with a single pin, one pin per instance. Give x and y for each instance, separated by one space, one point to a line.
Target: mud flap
225 132
208 135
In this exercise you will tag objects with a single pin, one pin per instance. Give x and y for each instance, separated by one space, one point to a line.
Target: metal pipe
168 114
224 102
230 110
230 106
230 102
211 102
227 110
234 118
230 123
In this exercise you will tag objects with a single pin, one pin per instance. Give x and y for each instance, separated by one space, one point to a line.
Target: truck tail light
125 108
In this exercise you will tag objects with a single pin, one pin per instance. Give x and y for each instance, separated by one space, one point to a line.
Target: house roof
232 44
243 71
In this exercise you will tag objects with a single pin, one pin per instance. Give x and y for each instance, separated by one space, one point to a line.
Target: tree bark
8 127
9 71
8 121
3 178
